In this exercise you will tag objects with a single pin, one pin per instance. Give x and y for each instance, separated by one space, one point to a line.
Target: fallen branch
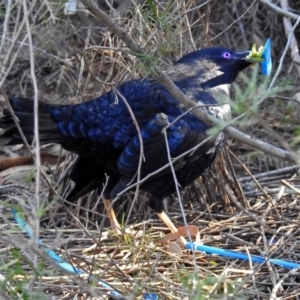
178 94
279 10
288 27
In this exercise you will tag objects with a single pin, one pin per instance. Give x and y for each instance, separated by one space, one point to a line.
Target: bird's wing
107 120
155 135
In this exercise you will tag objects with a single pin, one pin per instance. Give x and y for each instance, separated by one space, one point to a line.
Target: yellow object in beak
256 56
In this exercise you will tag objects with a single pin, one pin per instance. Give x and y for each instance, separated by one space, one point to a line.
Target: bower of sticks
248 201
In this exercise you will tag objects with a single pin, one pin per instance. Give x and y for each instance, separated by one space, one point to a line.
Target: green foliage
158 15
164 33
296 140
2 10
146 63
30 176
247 97
209 287
17 280
162 30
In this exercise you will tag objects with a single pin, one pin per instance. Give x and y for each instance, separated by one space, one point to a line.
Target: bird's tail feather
24 111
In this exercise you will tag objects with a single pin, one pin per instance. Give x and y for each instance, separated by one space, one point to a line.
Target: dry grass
76 60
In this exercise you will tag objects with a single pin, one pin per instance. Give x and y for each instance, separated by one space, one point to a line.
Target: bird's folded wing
155 136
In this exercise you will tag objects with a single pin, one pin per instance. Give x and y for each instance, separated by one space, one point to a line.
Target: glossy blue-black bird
104 135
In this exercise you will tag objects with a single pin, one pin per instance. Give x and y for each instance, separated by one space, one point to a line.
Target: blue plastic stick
240 256
150 296
59 261
266 65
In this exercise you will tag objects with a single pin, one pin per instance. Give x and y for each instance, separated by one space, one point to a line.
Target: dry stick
290 38
252 177
36 124
52 17
186 12
236 181
141 158
246 211
243 242
179 95
235 21
274 134
7 58
290 186
263 226
15 119
288 30
176 183
5 25
279 10
8 288
279 283
61 60
82 65
23 244
286 170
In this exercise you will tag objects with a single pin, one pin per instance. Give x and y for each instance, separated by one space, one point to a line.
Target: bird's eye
226 55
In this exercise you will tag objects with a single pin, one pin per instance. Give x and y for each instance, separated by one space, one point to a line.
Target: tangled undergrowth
248 201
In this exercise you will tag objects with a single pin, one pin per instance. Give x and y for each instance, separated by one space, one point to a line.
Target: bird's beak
252 56
249 56
256 56
261 56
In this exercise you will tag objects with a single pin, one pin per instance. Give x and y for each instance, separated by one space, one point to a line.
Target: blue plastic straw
57 259
241 256
150 296
189 246
266 65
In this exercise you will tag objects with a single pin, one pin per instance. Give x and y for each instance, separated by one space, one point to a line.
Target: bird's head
224 64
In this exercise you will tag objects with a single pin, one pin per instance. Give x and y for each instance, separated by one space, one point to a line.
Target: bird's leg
164 217
112 216
113 223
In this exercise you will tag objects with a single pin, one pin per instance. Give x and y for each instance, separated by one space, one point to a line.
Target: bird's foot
189 231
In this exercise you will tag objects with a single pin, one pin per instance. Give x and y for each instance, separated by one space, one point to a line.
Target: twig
176 183
8 287
279 283
291 187
289 31
36 124
260 145
235 21
4 70
279 10
163 167
247 211
5 24
179 95
279 68
82 65
287 170
141 158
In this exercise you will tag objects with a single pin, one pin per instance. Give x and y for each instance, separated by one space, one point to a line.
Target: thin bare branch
289 31
178 94
279 10
36 123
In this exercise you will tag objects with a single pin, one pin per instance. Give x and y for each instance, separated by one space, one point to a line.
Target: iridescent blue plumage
105 136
